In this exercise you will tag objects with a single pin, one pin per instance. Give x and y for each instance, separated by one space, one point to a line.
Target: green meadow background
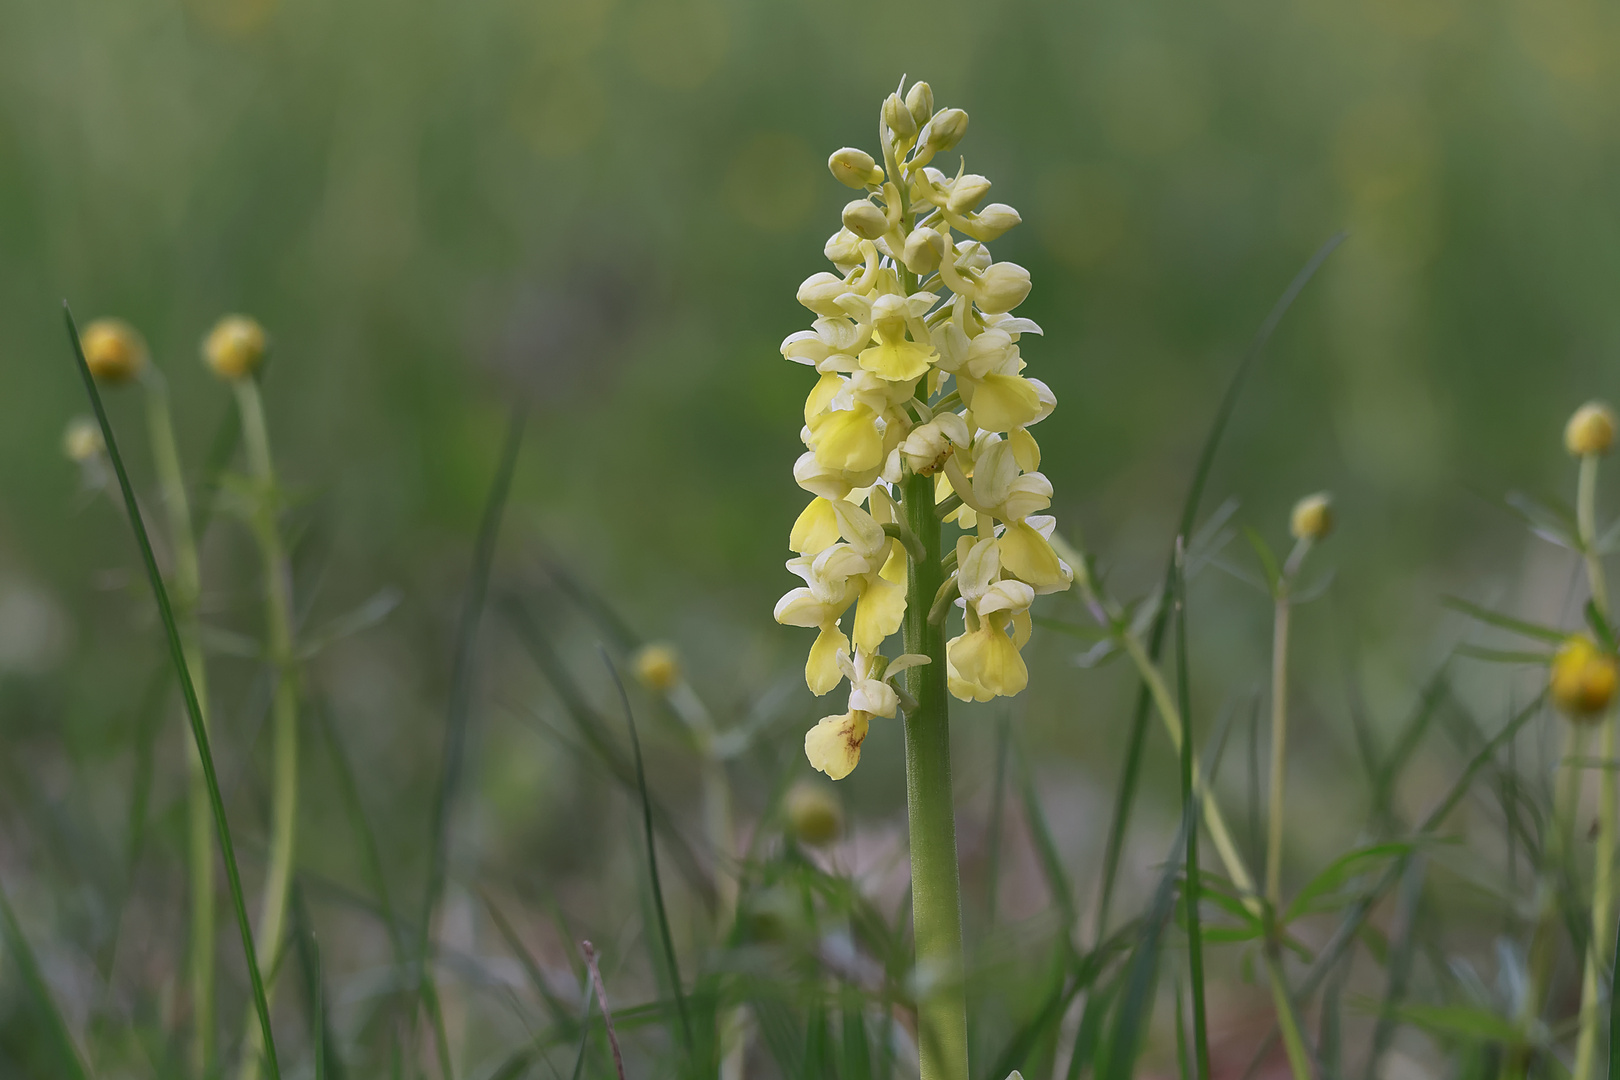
599 212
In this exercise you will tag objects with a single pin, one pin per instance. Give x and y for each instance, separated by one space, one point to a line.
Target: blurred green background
601 210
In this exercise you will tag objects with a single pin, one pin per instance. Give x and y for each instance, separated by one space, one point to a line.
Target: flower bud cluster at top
920 374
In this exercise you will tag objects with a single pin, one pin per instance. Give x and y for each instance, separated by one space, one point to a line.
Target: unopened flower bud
994 220
1002 287
1312 518
1583 679
967 193
114 351
865 220
920 100
1590 430
926 449
855 168
814 813
843 248
657 668
82 440
973 255
235 347
945 130
820 293
924 249
899 119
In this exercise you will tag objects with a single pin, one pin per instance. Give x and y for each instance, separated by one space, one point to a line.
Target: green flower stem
1279 748
200 818
1299 1058
1586 1045
1214 820
936 905
284 706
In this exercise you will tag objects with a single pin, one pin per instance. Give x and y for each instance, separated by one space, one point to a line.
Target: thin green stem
199 734
1591 1015
1214 820
200 827
1299 1058
936 906
284 704
1279 749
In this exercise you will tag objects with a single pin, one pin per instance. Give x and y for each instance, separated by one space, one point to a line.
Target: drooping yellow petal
988 658
816 530
848 440
1026 451
821 671
1005 402
896 361
882 606
1028 555
821 396
834 744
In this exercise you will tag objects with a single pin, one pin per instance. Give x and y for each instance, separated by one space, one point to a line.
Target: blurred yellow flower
235 347
657 667
114 351
1583 679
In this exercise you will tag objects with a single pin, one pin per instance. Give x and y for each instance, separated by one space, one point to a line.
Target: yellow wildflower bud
924 249
865 220
1312 518
82 440
114 351
814 813
657 667
834 744
920 100
1002 287
820 293
235 347
1583 679
966 193
926 449
992 222
898 116
944 131
855 168
1590 430
843 249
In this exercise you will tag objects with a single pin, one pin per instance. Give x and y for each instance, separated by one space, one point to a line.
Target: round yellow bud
82 440
899 119
657 667
920 100
1583 679
923 251
235 347
1312 518
865 220
1001 287
945 130
814 813
966 193
1590 430
855 168
114 351
926 449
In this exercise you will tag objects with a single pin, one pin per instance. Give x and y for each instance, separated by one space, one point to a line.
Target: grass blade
1046 849
188 691
652 859
455 729
1195 943
39 992
1126 796
601 999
